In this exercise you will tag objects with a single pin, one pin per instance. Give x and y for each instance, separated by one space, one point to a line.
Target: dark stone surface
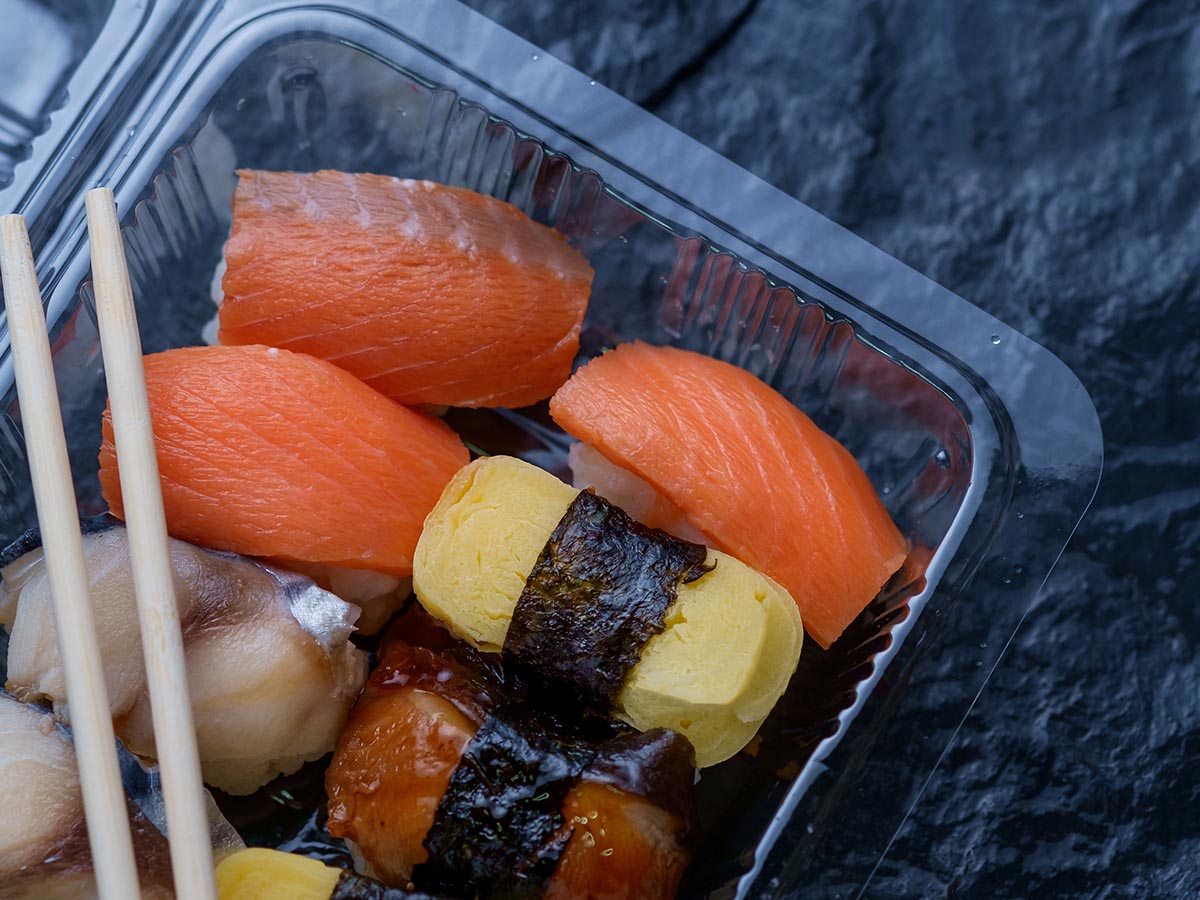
1043 160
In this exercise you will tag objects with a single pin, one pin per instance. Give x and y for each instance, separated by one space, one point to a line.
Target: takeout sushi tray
983 445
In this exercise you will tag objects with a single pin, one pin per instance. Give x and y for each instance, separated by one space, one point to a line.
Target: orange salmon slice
270 453
747 469
428 293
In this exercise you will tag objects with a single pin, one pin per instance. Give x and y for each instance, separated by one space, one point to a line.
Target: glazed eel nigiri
440 783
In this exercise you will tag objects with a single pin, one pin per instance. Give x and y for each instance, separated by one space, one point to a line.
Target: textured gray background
1043 160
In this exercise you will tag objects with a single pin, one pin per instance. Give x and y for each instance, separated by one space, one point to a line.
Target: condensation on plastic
983 445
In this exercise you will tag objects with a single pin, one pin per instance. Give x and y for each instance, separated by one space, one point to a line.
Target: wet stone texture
1042 160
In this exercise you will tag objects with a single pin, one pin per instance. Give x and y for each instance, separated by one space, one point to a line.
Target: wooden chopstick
162 640
87 695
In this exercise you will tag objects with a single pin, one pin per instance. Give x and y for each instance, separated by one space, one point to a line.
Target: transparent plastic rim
1020 462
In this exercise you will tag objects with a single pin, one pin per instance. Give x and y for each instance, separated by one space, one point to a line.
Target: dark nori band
499 830
351 886
599 590
32 539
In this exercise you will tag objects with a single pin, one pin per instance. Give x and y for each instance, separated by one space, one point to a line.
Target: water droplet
995 338
887 489
241 104
592 82
607 851
983 645
1020 515
1018 568
1006 580
623 239
809 828
535 57
942 458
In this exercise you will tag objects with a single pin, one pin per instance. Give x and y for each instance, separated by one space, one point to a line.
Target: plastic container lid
985 447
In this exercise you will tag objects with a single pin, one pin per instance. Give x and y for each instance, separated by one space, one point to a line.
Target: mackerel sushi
429 293
270 667
685 440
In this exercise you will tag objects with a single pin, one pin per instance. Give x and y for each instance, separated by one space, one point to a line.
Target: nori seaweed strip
351 886
599 590
499 829
32 539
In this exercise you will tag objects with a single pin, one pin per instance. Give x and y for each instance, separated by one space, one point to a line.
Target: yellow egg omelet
732 637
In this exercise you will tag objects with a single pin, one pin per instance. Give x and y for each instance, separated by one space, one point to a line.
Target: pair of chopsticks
162 642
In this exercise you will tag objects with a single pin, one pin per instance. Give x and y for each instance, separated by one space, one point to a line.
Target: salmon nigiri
735 460
270 453
428 293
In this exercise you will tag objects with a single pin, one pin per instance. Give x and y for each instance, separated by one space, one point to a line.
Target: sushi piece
428 293
440 780
276 454
262 874
44 850
710 662
742 465
270 668
377 594
258 873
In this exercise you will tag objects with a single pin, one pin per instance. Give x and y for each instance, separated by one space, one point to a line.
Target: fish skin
428 293
747 468
265 452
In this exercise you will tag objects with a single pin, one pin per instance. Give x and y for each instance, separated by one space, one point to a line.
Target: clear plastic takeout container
985 448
